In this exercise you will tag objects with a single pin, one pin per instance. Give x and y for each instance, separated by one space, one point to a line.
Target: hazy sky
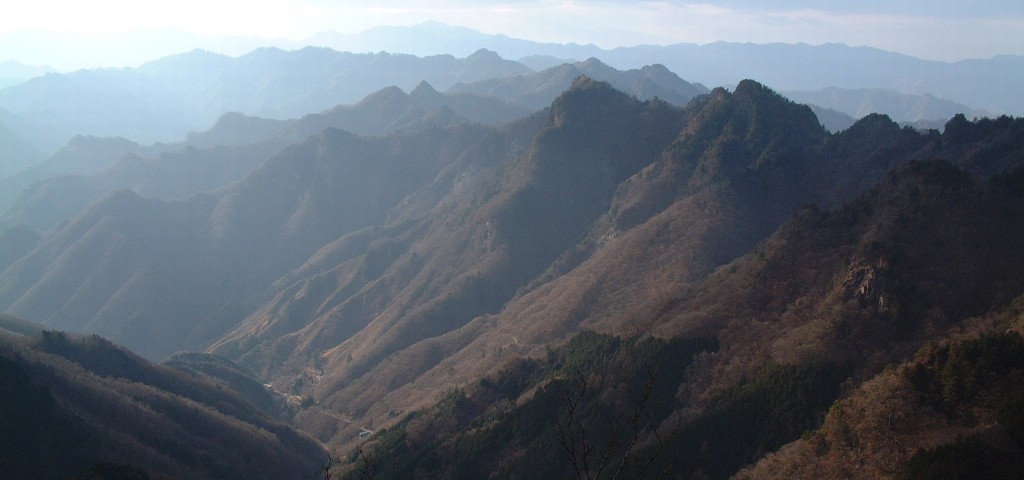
934 29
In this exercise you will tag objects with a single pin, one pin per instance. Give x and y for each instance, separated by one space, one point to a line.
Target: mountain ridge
397 282
903 108
802 318
798 66
157 108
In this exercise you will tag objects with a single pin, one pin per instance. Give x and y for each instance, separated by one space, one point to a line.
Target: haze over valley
305 249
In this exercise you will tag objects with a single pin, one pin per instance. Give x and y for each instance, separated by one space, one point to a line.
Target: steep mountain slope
922 275
537 90
927 248
499 225
80 155
899 425
15 242
744 164
72 405
171 175
207 160
123 253
164 276
831 295
761 139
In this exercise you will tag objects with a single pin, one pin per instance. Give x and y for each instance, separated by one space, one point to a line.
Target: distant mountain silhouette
13 72
786 67
80 155
166 98
797 67
234 129
537 90
832 120
434 38
25 142
391 109
903 108
86 170
171 175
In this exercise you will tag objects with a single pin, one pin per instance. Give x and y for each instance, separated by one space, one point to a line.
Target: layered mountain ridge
89 167
372 276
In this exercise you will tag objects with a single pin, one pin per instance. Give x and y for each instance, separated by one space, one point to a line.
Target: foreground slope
76 405
951 412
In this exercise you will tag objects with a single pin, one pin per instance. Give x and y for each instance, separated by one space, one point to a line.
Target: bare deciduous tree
592 458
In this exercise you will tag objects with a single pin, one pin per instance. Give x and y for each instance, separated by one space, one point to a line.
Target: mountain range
787 67
88 167
47 117
900 107
164 99
372 277
13 72
387 266
149 103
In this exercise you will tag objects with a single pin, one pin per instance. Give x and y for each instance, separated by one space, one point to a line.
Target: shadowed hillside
74 405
